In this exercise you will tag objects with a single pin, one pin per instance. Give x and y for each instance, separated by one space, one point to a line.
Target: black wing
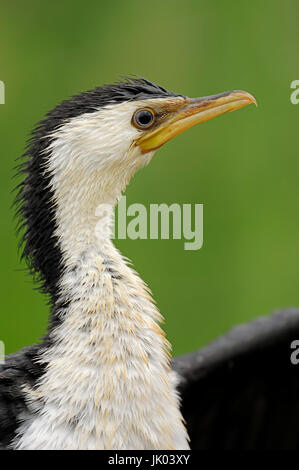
242 390
18 370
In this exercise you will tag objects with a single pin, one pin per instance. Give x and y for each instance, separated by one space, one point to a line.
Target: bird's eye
143 118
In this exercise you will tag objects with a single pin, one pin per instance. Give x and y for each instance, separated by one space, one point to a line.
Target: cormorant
102 377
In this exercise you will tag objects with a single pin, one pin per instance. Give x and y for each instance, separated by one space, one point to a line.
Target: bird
102 376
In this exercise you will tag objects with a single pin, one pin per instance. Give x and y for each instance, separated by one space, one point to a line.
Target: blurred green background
244 167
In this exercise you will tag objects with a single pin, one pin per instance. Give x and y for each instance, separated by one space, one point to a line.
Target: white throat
108 383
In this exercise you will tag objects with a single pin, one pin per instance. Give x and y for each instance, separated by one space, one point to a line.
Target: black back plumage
19 369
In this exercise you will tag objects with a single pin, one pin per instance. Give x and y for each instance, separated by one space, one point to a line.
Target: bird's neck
108 383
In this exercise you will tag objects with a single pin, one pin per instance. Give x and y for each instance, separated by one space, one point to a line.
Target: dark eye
143 118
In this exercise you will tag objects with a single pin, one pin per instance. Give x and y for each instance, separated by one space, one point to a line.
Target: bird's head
113 130
86 150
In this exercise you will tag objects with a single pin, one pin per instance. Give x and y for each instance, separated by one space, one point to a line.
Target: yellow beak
191 112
